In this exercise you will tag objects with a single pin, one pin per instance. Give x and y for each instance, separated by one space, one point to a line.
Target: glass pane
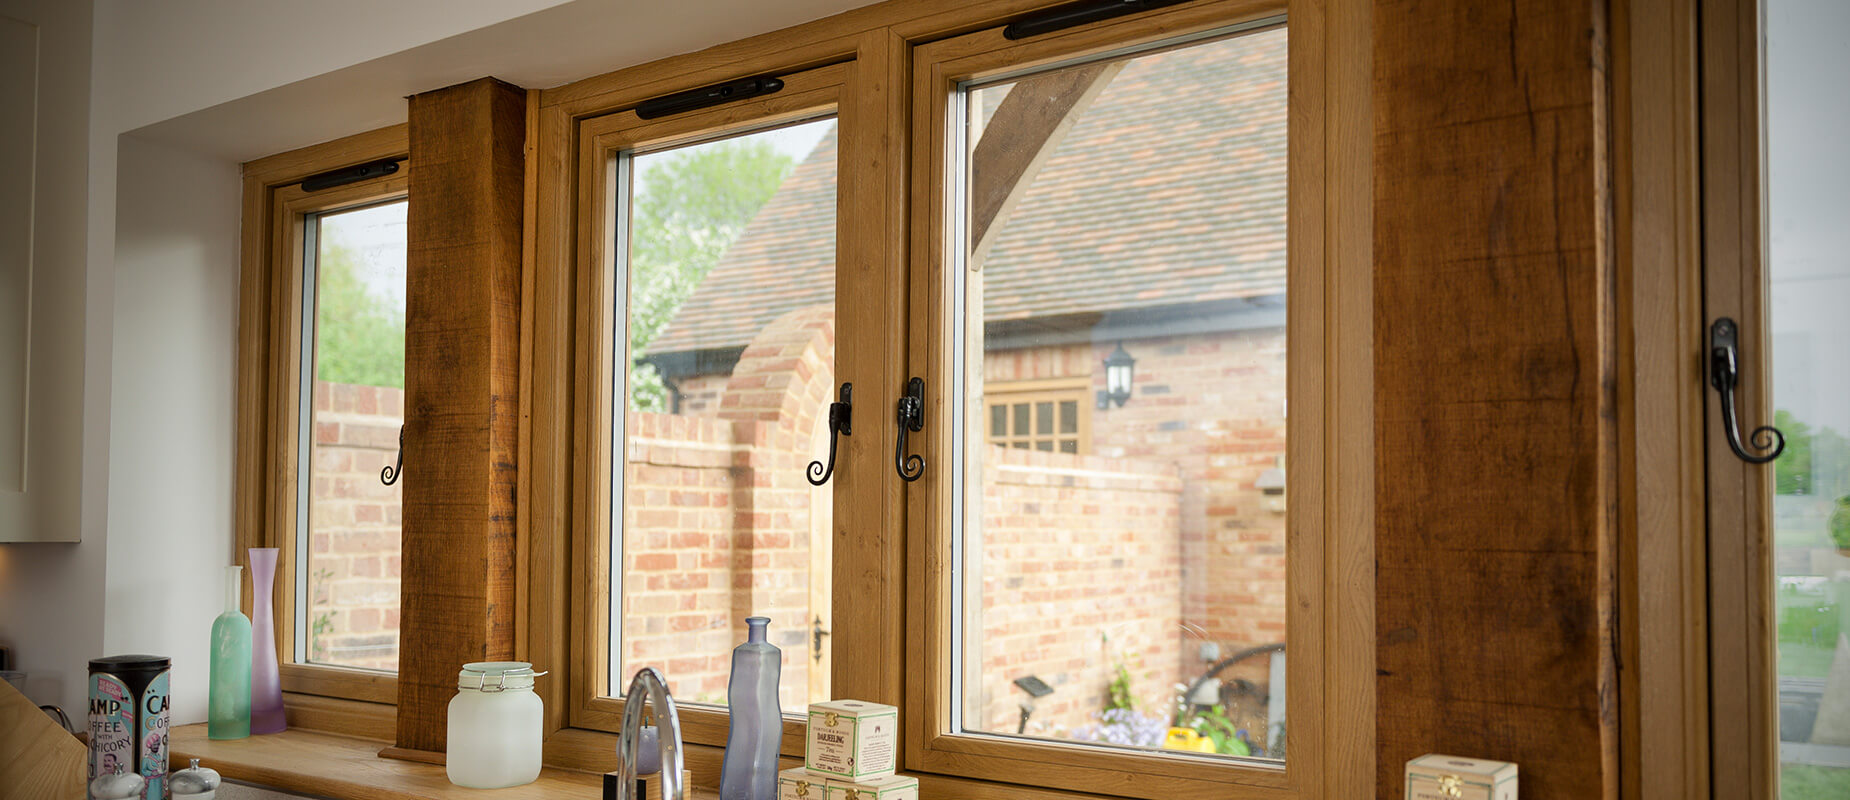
349 556
1133 596
1809 264
730 252
998 420
1021 419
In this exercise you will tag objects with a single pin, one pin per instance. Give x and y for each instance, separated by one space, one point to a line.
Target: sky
1808 214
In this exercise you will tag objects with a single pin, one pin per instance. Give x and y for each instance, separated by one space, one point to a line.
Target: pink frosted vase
266 684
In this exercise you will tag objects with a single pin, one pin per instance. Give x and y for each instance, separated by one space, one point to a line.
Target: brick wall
1082 573
354 527
1212 405
722 524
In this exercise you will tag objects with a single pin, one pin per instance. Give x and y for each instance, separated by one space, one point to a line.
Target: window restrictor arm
1073 15
353 174
716 94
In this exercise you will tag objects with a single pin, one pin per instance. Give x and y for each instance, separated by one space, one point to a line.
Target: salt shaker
195 783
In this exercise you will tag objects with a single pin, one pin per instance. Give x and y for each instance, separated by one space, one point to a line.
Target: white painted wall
160 60
172 401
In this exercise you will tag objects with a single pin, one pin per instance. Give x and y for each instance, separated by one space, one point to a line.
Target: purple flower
1125 727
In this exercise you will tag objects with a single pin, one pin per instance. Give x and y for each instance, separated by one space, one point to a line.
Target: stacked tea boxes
850 756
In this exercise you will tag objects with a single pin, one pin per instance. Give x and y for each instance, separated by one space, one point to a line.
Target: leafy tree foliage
689 207
1816 461
359 335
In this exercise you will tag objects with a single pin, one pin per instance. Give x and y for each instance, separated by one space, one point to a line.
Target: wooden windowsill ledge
345 768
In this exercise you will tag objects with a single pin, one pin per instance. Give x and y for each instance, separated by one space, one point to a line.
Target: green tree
1815 461
689 207
359 335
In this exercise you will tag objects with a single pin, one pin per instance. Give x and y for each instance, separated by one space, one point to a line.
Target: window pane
998 420
1809 282
730 249
1133 579
1021 419
349 557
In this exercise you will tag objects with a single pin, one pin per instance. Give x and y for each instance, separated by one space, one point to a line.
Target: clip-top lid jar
496 676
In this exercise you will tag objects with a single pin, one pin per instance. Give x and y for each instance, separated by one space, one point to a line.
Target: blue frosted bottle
756 724
228 693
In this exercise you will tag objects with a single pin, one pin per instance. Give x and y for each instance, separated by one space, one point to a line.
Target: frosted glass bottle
756 721
228 708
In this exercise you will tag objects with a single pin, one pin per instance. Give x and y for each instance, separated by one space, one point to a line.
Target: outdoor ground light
1118 373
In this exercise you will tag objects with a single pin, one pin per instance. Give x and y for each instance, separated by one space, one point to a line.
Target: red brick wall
1082 573
721 520
354 527
1213 406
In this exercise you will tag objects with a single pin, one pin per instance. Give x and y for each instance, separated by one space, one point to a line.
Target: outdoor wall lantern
1119 368
1271 483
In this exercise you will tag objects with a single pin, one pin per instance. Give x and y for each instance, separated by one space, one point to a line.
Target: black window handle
911 417
389 475
1724 375
840 417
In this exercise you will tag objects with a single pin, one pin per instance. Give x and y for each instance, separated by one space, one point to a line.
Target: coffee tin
128 720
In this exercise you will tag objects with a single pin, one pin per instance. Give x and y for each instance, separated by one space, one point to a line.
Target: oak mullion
462 395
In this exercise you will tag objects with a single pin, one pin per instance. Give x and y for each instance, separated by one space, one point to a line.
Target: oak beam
1027 127
462 337
1496 450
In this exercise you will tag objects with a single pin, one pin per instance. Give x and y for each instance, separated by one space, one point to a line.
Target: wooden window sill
345 768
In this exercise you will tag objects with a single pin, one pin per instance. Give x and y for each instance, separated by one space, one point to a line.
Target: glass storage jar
495 726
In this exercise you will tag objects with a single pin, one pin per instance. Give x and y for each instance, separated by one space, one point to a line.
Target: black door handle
840 424
911 417
1724 375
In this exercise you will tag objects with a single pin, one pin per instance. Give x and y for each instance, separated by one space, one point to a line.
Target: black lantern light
1119 368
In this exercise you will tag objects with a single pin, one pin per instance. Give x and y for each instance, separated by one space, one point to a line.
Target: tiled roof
1168 190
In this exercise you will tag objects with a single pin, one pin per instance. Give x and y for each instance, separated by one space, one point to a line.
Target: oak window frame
884 551
1321 529
887 534
270 349
808 95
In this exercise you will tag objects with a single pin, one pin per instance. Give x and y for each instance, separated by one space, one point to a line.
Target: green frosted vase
228 707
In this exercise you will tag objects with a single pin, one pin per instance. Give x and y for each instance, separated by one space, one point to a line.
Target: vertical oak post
462 382
1495 400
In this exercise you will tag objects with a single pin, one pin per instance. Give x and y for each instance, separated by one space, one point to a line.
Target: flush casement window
321 398
1060 582
962 349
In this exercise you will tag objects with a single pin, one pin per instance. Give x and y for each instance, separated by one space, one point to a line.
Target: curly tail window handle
911 417
390 475
1724 375
840 424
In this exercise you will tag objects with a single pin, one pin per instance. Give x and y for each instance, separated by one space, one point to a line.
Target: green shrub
1840 523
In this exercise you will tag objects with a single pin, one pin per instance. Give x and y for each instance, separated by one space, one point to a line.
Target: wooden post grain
462 383
1495 373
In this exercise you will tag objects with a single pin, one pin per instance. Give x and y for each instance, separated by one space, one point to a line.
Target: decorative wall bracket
1725 375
